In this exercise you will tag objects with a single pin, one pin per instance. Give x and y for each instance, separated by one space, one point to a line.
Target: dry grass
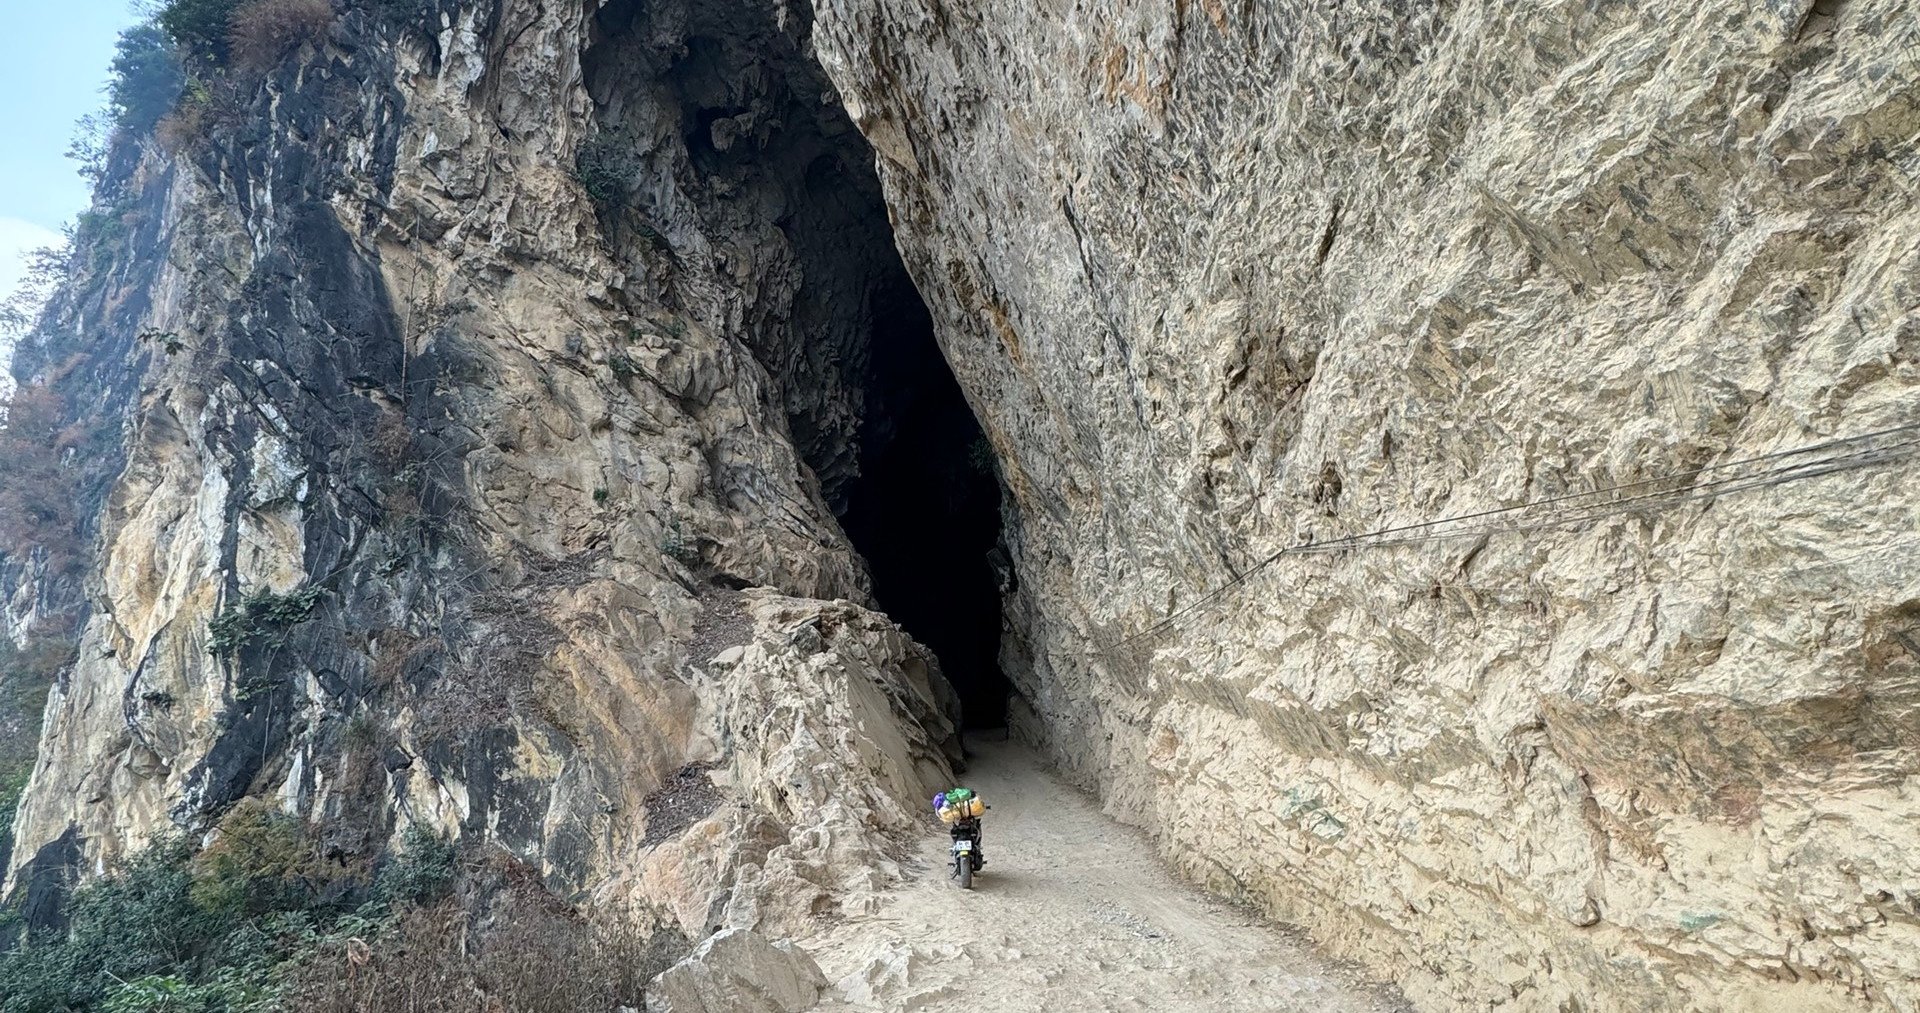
522 952
392 440
263 33
181 129
396 653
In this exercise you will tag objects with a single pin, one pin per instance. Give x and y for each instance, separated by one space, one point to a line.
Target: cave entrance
924 509
726 103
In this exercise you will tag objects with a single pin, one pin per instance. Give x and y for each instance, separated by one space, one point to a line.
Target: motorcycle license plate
963 847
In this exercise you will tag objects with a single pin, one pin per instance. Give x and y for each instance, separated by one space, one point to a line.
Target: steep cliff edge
1223 278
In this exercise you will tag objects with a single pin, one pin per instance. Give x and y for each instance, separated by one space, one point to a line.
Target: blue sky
53 65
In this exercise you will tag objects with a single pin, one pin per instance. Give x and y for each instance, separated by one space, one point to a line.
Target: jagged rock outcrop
738 971
441 489
1223 278
513 353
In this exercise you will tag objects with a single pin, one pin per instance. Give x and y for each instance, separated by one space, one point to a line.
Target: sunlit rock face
525 364
463 464
1222 278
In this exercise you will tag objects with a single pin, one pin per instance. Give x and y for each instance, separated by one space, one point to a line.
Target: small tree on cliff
200 26
147 77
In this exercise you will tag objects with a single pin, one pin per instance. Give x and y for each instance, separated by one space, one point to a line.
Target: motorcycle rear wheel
963 872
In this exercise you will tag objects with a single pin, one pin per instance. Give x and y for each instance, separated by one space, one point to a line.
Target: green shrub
13 785
606 168
46 268
261 863
623 366
138 923
229 992
39 482
178 931
192 117
422 871
200 26
675 544
27 672
92 140
261 617
175 932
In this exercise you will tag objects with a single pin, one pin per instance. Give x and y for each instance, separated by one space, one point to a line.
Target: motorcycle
966 854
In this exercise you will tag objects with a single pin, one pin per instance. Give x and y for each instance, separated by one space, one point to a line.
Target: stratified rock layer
1222 278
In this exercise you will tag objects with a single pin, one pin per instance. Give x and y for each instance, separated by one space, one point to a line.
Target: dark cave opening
779 236
924 510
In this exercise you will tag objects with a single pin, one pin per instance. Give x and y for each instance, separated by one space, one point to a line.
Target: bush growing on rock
605 168
200 27
139 923
27 671
262 33
261 617
424 869
428 960
219 931
13 785
261 862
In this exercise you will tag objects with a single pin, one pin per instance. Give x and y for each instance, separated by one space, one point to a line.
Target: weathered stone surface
1223 278
1218 279
738 971
503 456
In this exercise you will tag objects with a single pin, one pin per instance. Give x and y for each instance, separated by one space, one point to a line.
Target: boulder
738 971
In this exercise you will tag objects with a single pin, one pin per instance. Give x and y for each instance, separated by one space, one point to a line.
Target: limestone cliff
447 476
1223 278
522 360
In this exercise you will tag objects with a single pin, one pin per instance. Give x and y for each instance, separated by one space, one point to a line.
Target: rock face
1224 278
521 373
738 971
464 436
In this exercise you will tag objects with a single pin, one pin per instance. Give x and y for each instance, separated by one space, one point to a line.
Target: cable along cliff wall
488 479
1225 278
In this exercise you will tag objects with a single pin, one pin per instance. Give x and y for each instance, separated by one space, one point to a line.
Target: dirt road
1073 914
